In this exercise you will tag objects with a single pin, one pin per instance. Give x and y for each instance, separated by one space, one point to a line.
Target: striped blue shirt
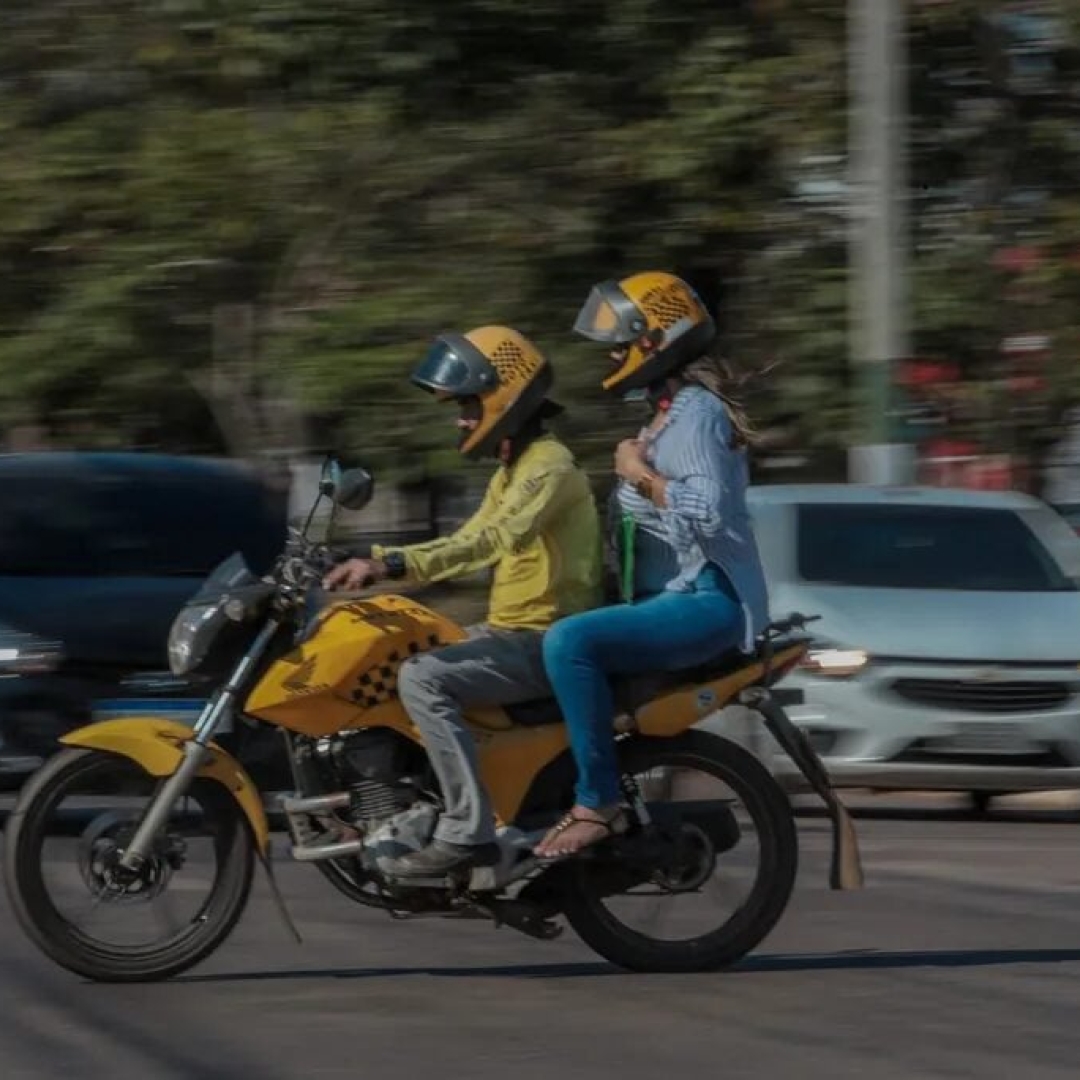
705 519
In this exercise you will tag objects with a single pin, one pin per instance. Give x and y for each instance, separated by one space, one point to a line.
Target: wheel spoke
724 891
90 910
165 913
658 912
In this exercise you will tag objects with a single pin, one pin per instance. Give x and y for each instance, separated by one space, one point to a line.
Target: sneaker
441 858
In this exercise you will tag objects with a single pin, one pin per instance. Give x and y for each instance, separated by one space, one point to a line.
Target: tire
982 800
26 831
746 928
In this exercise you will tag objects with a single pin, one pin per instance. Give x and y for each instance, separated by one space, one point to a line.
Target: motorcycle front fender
157 745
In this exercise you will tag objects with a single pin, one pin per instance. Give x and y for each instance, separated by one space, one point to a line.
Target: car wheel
981 800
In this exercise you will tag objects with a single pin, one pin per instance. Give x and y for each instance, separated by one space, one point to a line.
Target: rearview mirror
354 489
330 478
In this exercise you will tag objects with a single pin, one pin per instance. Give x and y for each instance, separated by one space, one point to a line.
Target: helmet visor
609 316
455 367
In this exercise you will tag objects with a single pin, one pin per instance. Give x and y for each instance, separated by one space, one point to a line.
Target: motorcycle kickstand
524 918
279 899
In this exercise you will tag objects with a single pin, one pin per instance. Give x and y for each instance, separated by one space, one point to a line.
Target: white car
948 651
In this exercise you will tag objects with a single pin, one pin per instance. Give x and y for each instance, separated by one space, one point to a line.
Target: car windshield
924 547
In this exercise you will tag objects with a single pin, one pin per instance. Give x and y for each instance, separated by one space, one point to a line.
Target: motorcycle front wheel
723 894
62 846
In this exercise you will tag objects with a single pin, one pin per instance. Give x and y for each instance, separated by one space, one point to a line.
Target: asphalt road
960 959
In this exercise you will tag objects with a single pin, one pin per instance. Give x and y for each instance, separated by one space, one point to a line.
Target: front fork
195 752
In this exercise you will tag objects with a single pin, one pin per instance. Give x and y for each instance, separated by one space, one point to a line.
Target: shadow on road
947 815
853 961
870 960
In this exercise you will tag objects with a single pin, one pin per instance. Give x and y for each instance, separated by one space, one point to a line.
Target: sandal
613 825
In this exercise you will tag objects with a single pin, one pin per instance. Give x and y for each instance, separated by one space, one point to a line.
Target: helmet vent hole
511 362
667 304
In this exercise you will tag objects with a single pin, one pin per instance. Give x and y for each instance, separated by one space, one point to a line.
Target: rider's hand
630 460
354 573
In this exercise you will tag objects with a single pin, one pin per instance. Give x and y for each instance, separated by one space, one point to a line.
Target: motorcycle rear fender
674 712
157 745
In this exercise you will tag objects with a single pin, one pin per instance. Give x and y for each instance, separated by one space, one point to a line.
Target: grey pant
493 667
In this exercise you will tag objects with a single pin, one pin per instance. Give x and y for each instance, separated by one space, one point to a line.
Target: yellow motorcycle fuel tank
344 675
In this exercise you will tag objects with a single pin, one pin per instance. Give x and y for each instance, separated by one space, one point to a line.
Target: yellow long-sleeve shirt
538 527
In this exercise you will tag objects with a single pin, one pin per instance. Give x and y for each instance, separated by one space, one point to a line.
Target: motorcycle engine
406 832
383 774
380 769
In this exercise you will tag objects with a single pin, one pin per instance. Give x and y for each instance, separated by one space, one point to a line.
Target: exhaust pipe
319 804
343 850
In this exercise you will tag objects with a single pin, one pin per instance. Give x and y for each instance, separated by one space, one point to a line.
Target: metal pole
878 316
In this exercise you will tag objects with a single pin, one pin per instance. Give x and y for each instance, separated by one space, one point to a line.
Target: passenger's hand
354 573
630 460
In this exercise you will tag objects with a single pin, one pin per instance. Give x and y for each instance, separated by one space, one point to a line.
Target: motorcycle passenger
683 481
537 526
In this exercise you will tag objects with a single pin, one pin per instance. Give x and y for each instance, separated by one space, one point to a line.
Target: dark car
98 551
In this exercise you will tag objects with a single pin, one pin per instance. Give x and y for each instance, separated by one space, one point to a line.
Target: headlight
838 663
191 635
24 654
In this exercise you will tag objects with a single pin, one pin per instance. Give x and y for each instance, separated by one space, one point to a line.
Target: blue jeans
666 632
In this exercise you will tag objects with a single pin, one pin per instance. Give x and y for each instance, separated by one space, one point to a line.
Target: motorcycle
153 813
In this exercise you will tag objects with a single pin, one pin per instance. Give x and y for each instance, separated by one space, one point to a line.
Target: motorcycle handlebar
795 621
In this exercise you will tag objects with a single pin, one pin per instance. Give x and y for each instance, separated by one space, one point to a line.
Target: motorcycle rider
537 526
682 483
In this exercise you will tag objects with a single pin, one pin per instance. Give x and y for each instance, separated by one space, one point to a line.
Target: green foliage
235 224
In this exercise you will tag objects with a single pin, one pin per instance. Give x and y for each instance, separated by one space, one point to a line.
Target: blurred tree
995 166
234 224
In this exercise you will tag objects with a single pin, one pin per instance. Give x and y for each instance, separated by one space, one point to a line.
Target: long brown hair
719 377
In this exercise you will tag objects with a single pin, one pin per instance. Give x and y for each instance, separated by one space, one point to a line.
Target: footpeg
444 882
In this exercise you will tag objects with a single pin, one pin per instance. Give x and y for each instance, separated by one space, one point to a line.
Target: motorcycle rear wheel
91 776
770 811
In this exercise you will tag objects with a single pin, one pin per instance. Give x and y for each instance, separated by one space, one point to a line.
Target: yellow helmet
499 377
657 320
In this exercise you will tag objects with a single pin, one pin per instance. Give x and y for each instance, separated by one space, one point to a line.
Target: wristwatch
394 561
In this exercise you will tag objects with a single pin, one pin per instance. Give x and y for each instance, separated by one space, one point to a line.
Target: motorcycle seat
632 691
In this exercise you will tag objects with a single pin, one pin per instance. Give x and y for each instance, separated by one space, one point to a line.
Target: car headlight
191 635
24 654
838 663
